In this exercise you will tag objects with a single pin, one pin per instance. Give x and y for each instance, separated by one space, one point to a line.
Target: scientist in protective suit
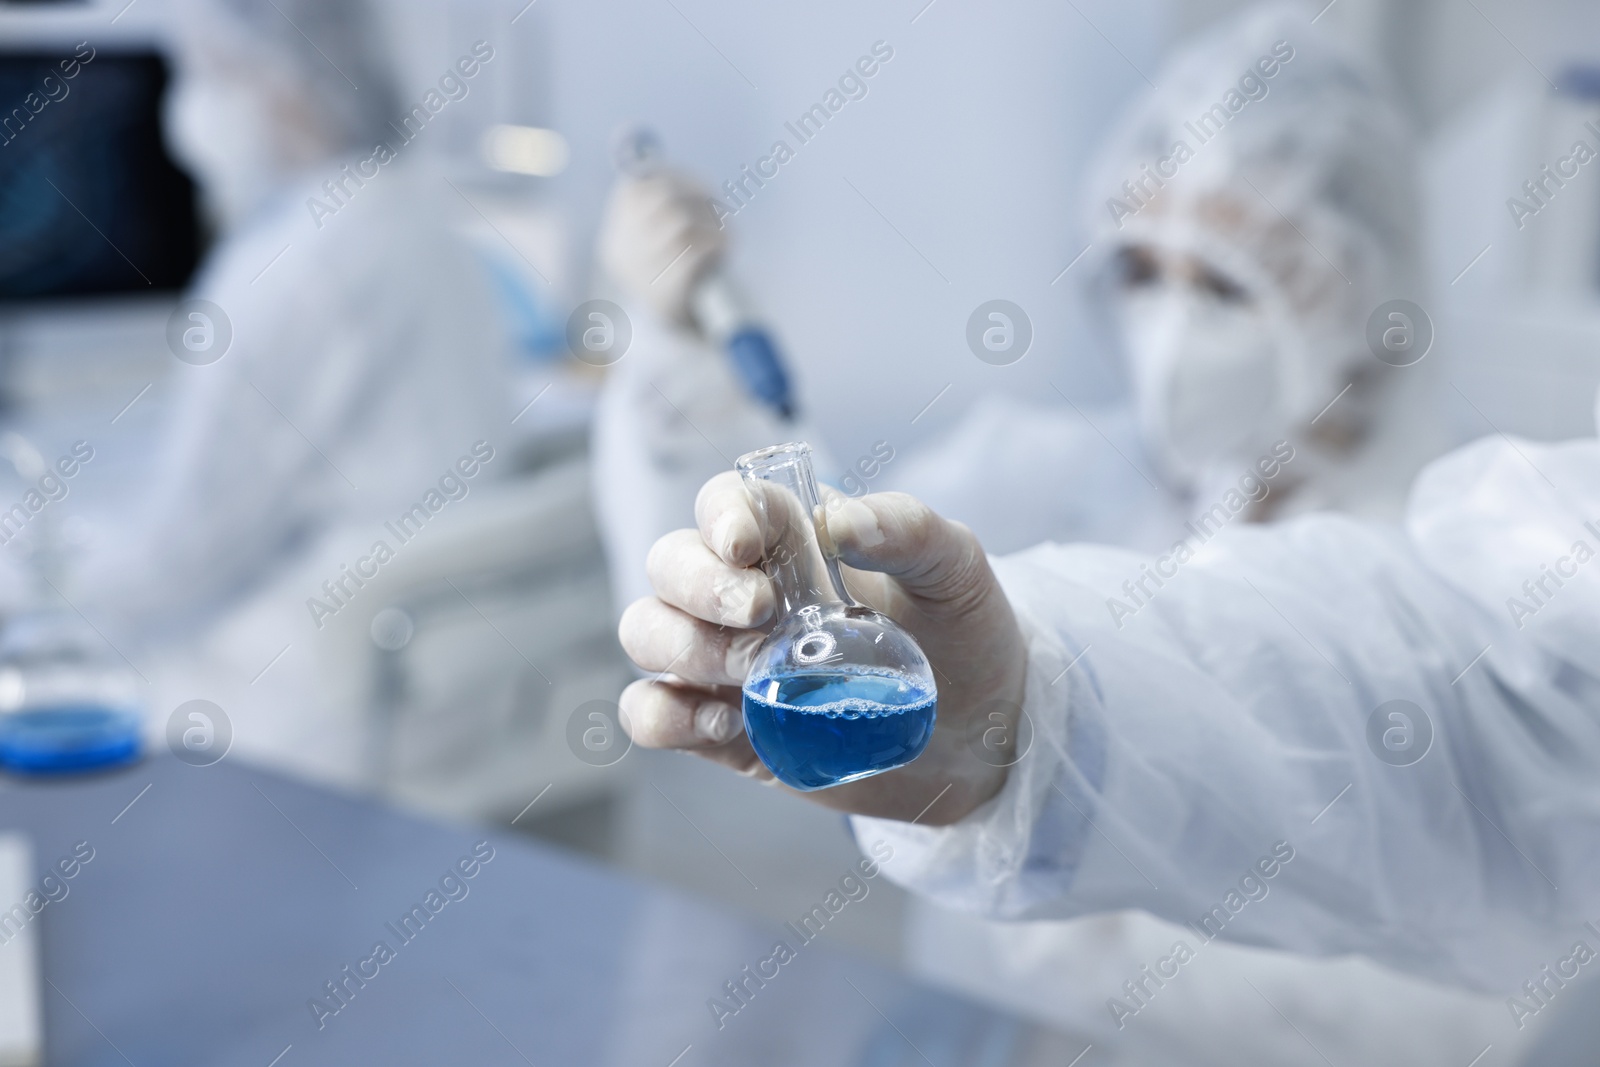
1246 219
356 353
1237 274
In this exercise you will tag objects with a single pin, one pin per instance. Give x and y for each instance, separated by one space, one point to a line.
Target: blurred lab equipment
68 738
67 701
21 1010
1513 225
837 691
99 226
91 156
1511 173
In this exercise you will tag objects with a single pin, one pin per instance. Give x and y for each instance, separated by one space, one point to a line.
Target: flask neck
800 557
802 574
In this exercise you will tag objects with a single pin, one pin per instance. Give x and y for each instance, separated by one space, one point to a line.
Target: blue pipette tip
68 739
758 364
636 149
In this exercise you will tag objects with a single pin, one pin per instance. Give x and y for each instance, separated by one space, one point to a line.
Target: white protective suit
367 356
366 350
1228 726
1305 200
363 362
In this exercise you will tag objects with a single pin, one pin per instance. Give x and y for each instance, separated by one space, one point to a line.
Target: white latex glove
706 620
659 238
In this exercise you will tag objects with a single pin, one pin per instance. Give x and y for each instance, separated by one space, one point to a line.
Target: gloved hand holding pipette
660 239
665 244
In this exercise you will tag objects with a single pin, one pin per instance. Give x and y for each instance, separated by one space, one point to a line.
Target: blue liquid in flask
825 728
836 691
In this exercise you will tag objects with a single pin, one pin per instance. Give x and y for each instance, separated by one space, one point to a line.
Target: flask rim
773 457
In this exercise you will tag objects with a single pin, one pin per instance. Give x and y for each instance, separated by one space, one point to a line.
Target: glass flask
837 691
66 702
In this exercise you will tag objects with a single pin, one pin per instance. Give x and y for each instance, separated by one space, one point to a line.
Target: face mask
1206 378
219 130
232 135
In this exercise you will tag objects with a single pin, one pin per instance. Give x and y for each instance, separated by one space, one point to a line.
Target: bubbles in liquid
823 728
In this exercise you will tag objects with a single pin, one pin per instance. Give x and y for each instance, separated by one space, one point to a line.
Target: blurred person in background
1238 277
366 357
1237 256
1238 290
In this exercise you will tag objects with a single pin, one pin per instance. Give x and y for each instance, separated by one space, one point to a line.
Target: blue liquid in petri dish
825 728
68 738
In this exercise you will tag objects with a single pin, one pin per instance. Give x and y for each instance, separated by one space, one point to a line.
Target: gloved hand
659 238
928 574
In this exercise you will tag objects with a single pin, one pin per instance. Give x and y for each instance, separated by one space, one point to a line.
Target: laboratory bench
232 916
